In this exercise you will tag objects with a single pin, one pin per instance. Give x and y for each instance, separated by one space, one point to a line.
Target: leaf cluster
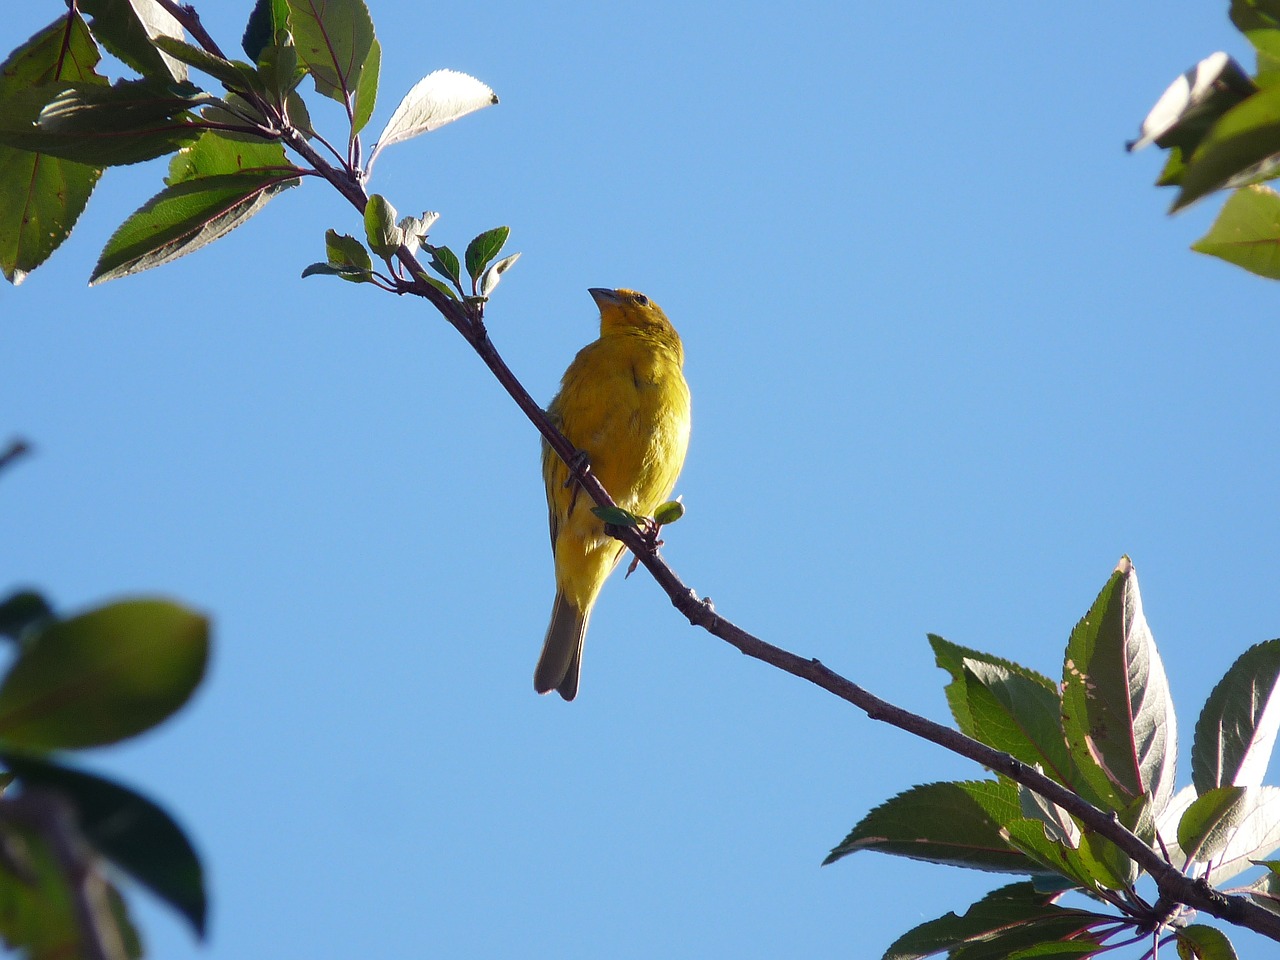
235 143
1221 129
1108 732
88 680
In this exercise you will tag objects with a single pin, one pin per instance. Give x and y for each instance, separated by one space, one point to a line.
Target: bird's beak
603 295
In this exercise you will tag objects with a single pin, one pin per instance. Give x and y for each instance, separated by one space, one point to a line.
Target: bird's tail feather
561 660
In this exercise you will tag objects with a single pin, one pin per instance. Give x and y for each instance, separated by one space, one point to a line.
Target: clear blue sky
949 361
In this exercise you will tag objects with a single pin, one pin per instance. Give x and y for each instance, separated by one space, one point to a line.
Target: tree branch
468 320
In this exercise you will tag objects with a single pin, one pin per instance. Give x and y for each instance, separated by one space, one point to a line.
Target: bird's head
626 311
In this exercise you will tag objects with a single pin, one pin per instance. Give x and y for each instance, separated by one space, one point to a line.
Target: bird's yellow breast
624 403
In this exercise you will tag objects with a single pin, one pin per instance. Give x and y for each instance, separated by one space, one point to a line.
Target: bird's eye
641 300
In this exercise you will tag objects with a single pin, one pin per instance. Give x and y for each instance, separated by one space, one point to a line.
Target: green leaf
281 73
1017 715
215 154
129 31
267 21
103 676
1240 148
437 284
381 231
1041 843
1070 950
22 611
1235 835
669 512
952 657
952 823
617 516
37 912
335 39
127 122
353 274
1116 710
185 217
346 251
1247 232
483 249
438 98
130 830
1005 920
1198 942
445 262
1211 821
1237 728
234 74
42 197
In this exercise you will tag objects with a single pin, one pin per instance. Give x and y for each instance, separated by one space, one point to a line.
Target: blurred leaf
1257 20
438 98
130 830
616 516
42 197
1116 710
1198 942
185 217
1017 915
669 512
493 273
1247 232
1240 148
103 676
953 823
381 231
1193 103
129 29
22 611
37 914
1171 174
483 249
335 39
445 262
234 74
127 122
268 19
1237 728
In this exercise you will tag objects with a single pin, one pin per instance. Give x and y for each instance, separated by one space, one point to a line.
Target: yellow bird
624 404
